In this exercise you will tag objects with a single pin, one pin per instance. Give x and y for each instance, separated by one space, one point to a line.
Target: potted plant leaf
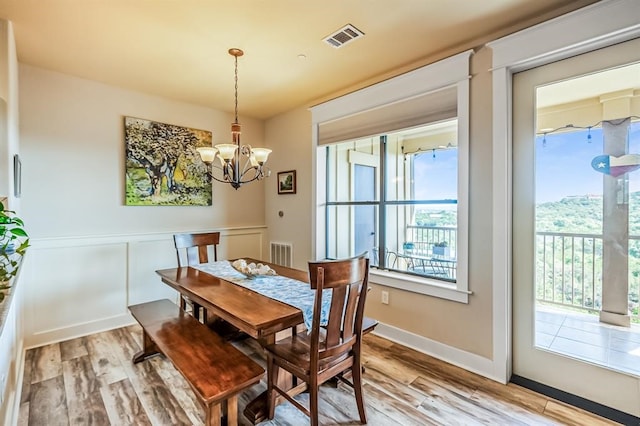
14 241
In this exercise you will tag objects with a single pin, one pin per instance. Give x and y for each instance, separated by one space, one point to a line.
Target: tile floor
582 336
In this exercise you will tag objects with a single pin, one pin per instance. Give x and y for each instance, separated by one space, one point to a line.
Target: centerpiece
251 270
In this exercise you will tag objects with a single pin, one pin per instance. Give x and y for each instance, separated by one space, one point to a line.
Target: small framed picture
17 176
287 182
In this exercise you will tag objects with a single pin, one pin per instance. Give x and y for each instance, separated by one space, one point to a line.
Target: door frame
542 368
596 26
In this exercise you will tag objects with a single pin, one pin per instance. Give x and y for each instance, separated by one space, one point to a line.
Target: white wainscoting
78 286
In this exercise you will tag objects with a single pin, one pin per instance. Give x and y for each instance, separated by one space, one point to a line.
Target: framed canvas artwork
162 166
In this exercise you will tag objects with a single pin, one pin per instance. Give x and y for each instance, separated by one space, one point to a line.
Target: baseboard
577 401
47 337
468 361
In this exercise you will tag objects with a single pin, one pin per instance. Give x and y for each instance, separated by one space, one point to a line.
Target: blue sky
563 167
436 178
563 164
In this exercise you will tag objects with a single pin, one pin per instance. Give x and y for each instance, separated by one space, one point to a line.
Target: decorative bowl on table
252 270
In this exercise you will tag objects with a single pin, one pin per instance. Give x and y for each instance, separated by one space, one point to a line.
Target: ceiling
178 49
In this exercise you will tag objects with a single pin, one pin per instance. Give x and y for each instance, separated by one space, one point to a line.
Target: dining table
257 315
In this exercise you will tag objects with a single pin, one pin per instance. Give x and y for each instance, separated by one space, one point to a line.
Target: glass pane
576 229
344 224
421 170
634 228
422 164
342 162
364 216
587 212
421 239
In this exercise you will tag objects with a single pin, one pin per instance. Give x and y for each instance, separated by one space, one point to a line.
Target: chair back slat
347 281
196 247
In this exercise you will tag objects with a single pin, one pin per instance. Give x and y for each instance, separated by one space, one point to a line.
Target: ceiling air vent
343 36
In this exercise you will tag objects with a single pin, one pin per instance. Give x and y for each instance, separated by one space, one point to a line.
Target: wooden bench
216 371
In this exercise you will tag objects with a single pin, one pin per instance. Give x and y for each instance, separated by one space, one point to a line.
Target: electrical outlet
385 297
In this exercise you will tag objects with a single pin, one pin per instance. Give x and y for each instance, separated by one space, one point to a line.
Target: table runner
283 289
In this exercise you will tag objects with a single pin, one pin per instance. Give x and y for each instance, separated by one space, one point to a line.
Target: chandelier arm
255 169
219 180
212 175
256 177
247 166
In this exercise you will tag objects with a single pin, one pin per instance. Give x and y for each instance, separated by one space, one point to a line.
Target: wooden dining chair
192 249
332 348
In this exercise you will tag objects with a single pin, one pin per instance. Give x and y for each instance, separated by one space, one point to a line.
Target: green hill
582 215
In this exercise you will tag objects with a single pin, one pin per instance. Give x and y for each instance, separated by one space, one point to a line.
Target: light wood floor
91 381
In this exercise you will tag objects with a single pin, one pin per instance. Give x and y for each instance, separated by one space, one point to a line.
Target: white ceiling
178 48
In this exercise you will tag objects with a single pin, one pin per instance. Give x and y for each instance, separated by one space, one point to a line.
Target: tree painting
163 166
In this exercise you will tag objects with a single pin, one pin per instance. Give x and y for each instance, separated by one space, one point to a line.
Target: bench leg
223 413
149 348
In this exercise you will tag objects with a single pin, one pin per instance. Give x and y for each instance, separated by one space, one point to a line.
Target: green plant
441 244
13 237
14 241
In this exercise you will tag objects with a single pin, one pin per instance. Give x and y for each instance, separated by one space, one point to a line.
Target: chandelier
231 155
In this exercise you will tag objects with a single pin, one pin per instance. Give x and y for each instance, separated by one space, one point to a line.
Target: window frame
450 72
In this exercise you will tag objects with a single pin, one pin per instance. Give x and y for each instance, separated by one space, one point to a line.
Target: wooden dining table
258 316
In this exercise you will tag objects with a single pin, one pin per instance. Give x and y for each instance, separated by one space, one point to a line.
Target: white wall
72 143
91 255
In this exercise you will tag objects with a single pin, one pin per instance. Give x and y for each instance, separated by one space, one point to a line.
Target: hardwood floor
92 381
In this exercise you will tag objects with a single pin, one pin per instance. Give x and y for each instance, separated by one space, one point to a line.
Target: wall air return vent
281 254
344 35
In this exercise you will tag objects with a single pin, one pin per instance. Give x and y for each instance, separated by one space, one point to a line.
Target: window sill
426 286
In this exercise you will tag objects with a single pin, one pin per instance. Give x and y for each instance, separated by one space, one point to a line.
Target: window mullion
382 210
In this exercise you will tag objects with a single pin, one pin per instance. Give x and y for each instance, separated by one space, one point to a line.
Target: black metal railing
568 265
569 270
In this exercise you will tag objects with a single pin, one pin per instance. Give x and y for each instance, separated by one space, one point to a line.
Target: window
409 223
392 179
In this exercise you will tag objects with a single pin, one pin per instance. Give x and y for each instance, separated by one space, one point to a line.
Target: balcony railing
568 265
425 237
569 271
